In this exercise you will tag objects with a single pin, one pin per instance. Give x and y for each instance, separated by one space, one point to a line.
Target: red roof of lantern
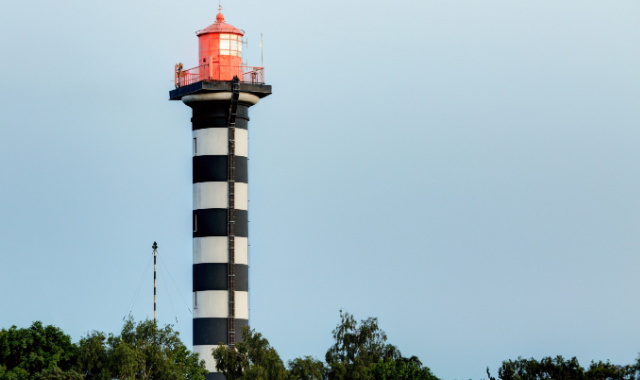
220 27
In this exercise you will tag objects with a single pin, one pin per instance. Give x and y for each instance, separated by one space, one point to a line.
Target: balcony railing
246 74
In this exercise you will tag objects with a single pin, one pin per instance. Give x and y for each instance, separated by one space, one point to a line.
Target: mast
155 255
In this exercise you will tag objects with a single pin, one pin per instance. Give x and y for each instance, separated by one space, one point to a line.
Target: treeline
140 351
144 351
360 351
559 368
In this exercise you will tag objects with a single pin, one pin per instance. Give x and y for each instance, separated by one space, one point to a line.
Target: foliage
306 368
362 352
402 368
252 358
559 368
38 349
144 351
359 352
141 351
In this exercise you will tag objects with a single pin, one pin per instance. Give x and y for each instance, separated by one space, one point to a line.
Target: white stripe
211 304
242 142
211 142
215 142
216 195
241 196
242 250
210 195
242 305
215 304
215 249
204 353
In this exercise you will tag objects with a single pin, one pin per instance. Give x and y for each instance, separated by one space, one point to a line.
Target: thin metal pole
261 52
155 255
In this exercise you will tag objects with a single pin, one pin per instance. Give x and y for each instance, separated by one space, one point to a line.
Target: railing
246 74
251 74
187 77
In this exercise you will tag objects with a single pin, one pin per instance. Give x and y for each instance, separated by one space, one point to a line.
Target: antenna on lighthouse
245 47
261 52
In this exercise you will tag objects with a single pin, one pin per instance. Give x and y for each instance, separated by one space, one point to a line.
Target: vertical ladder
231 211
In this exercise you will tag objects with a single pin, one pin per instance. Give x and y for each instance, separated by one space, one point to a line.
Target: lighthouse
220 91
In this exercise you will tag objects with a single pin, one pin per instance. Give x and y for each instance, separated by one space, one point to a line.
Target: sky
465 171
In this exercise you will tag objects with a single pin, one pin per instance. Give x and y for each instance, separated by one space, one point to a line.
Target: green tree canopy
359 352
251 358
306 368
35 352
362 352
559 368
140 351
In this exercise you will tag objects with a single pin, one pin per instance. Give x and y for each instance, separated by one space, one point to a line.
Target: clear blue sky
466 171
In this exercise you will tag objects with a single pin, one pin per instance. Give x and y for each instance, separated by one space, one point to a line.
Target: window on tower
231 44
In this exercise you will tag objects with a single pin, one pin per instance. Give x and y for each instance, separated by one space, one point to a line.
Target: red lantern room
221 49
220 57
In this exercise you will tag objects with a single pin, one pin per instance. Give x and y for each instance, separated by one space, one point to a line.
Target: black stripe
242 223
214 222
216 115
213 276
213 331
215 168
214 375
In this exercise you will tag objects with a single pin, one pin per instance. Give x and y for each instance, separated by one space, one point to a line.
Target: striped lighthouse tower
220 91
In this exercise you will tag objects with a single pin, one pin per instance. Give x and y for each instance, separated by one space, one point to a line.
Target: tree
362 352
251 358
93 359
56 373
144 351
141 351
307 368
35 351
403 368
359 352
559 368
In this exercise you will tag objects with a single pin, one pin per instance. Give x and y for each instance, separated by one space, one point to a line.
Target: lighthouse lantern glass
231 44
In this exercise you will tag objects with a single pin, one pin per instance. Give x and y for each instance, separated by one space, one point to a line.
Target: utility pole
155 255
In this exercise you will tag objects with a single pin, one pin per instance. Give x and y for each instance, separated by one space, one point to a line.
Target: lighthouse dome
220 26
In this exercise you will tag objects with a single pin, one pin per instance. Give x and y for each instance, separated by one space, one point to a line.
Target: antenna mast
261 54
155 255
245 45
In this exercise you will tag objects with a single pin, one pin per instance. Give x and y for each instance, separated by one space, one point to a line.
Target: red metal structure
220 57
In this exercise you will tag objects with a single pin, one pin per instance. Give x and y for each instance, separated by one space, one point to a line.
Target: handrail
246 74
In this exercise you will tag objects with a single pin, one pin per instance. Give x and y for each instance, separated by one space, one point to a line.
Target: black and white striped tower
220 98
